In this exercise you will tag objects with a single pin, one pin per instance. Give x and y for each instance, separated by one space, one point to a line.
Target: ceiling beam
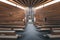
31 3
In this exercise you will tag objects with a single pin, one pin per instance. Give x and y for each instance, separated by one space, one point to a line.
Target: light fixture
5 1
47 4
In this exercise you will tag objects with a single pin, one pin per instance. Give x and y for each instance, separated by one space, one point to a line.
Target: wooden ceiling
30 3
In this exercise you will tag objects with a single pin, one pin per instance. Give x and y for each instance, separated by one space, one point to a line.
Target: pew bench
8 35
55 33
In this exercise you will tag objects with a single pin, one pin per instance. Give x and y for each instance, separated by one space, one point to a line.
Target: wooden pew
48 16
8 35
11 17
55 33
2 29
39 18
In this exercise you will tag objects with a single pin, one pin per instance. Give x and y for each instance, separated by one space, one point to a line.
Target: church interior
29 20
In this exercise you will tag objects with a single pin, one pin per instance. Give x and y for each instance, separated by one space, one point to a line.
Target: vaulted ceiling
30 3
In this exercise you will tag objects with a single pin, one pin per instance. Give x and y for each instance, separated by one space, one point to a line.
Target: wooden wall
49 14
10 14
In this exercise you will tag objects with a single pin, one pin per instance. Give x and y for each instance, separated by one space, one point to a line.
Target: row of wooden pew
12 19
11 16
8 35
48 18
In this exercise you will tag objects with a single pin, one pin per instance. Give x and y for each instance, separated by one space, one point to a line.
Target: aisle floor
31 33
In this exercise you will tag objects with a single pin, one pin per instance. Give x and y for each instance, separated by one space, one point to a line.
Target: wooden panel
49 14
30 3
10 7
10 15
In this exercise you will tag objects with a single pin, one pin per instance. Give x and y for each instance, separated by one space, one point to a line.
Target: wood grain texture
11 15
49 14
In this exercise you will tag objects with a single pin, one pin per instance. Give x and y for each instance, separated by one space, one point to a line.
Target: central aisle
31 33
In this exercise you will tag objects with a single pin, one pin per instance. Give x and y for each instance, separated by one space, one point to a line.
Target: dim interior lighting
5 1
52 2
